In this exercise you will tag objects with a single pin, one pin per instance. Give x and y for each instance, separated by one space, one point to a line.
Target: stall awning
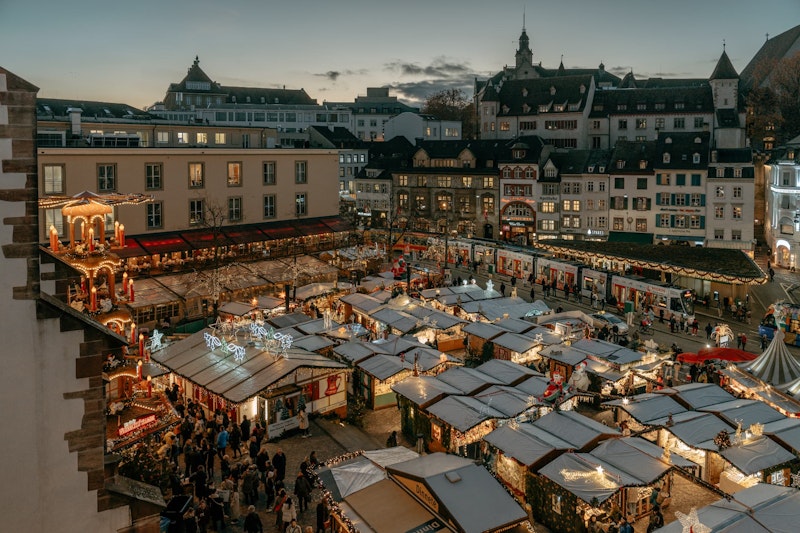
245 234
337 224
205 239
132 249
163 244
312 227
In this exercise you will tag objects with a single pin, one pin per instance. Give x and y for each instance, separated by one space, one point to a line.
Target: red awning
132 249
245 235
205 239
312 227
722 354
163 244
337 224
282 231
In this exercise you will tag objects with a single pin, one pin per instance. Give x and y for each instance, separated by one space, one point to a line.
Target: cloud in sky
334 75
439 67
441 73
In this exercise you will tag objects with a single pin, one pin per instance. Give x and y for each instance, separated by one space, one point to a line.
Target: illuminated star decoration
690 522
155 340
795 480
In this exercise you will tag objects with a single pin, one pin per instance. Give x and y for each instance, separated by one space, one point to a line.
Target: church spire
524 53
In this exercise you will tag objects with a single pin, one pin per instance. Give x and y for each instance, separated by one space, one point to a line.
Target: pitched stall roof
579 474
422 391
232 380
579 430
463 492
648 409
464 412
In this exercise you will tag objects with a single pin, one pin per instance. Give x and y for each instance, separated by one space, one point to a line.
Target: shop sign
279 428
421 491
332 384
136 424
431 525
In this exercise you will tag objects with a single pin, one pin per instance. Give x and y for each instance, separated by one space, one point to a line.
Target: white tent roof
747 411
756 455
697 395
632 460
776 365
506 372
575 428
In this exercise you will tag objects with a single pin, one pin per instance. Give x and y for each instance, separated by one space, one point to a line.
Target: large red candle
141 344
122 235
133 332
130 287
94 299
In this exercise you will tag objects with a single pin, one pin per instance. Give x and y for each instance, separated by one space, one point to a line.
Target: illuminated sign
137 423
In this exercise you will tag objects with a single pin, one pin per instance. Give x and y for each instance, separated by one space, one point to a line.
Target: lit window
53 179
196 175
234 174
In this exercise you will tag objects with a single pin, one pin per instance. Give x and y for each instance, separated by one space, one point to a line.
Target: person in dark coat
253 448
302 489
252 522
323 515
245 426
502 288
200 481
279 463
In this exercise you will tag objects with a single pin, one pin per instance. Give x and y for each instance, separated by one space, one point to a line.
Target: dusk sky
130 52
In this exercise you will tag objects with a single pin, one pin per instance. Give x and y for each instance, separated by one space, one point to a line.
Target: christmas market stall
480 334
757 508
567 491
513 450
464 494
458 423
255 372
414 395
644 411
491 310
516 348
506 372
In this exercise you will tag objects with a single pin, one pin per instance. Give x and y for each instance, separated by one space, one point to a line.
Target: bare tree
452 104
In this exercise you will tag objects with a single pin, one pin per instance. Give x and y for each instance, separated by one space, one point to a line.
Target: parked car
607 319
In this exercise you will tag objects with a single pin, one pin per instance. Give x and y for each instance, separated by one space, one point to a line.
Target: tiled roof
632 153
53 108
774 49
661 100
681 147
734 155
724 69
523 97
339 137
270 96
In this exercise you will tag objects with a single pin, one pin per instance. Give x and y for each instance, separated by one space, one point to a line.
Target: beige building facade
243 185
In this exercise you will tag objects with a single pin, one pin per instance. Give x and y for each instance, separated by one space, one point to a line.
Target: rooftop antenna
723 45
523 18
767 36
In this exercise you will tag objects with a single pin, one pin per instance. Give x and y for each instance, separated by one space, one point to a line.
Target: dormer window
696 158
558 108
790 155
519 154
668 140
524 91
590 169
678 105
574 107
642 164
506 109
620 163
552 90
582 88
641 107
698 140
526 108
622 107
666 157
601 169
550 172
543 108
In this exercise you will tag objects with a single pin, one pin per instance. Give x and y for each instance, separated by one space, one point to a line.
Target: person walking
279 463
533 292
235 439
709 330
252 522
288 514
744 341
222 442
302 489
245 426
502 288
323 515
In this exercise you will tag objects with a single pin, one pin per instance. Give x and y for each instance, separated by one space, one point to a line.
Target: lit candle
53 238
149 386
91 239
133 332
130 288
94 299
125 283
116 230
122 235
141 344
139 370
